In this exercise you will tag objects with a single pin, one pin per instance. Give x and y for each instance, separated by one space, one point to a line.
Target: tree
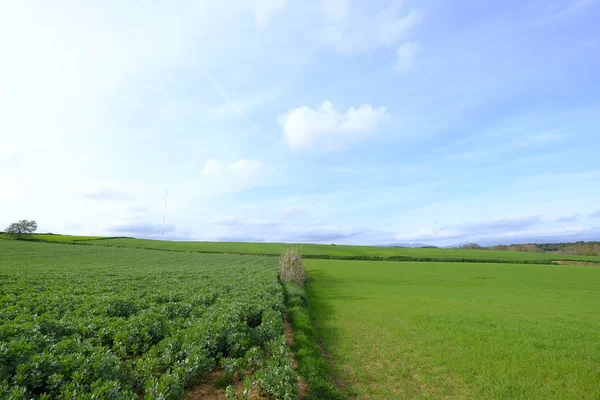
22 228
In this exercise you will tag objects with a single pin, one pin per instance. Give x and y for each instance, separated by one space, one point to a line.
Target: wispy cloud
552 11
472 230
105 194
319 236
293 211
596 214
405 56
584 3
542 139
143 229
137 209
241 168
245 105
569 218
246 222
275 230
235 107
503 225
351 30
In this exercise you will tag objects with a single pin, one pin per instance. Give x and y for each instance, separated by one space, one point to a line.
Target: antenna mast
165 213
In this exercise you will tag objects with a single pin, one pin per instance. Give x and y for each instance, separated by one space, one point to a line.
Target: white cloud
265 230
246 222
430 235
405 56
351 30
293 211
304 127
213 168
478 229
246 168
241 168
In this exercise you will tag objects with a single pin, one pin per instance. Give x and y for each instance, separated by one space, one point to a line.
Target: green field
92 318
92 322
322 250
404 330
56 238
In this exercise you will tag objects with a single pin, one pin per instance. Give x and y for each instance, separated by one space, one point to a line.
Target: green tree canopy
22 228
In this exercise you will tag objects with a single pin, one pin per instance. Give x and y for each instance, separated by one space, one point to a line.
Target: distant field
108 318
322 249
459 330
58 238
93 322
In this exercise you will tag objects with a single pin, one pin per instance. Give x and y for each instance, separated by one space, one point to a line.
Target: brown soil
289 339
208 388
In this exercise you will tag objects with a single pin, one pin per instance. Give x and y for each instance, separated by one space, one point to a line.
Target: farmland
325 251
119 318
459 331
95 322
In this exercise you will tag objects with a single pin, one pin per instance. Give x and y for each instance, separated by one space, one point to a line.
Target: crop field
57 238
119 318
321 250
92 322
406 330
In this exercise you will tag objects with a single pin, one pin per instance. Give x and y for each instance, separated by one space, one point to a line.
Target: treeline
577 248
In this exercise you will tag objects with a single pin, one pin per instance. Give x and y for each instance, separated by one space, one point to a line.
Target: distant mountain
457 245
411 245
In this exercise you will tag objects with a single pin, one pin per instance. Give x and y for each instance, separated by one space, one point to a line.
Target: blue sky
327 121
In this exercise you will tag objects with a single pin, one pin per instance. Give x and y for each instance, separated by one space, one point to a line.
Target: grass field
459 330
92 322
111 319
316 250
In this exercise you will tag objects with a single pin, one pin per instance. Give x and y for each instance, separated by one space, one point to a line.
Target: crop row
85 322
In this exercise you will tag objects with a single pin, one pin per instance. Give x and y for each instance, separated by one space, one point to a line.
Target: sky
327 121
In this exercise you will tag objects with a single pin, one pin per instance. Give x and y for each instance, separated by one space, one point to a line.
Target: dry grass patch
291 268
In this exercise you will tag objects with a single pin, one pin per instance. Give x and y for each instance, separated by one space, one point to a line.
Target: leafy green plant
277 379
105 322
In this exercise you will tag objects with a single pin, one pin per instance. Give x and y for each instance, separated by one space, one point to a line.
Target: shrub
291 268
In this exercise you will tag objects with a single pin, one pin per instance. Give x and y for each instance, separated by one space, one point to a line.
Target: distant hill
409 245
576 248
